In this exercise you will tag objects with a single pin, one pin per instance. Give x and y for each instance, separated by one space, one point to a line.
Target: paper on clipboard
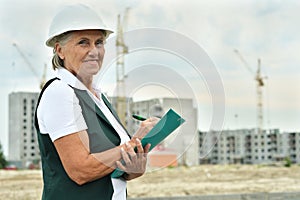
166 125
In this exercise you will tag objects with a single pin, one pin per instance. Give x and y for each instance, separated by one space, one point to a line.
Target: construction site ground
179 181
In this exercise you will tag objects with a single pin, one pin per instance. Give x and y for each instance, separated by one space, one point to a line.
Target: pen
138 117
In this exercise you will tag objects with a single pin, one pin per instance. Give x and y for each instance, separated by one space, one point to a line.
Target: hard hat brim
51 41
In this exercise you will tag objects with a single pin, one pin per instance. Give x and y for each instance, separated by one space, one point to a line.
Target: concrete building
23 146
294 144
184 141
243 146
246 146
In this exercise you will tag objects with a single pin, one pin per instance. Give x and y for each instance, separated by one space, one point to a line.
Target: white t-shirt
64 115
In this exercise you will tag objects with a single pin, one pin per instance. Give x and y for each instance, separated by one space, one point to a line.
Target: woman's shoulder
58 90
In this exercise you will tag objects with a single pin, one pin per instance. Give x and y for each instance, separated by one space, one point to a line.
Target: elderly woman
80 136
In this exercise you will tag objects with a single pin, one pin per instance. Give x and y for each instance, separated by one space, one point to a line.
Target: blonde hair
62 39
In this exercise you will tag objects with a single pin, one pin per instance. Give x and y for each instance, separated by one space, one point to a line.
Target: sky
268 30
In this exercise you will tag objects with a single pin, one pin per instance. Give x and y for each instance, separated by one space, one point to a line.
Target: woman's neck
87 81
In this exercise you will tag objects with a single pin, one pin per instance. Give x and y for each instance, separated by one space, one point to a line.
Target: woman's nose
93 51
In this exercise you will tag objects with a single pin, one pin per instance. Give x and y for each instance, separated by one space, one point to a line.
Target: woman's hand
134 162
145 127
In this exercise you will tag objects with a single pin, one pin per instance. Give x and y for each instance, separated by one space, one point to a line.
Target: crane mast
122 49
260 84
259 94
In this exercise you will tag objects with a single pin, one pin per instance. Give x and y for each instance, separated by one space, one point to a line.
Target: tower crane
259 85
122 49
42 79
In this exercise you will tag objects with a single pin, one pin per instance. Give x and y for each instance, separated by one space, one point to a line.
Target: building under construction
247 146
23 148
243 146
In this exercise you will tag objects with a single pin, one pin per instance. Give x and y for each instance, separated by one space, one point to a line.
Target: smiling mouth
90 60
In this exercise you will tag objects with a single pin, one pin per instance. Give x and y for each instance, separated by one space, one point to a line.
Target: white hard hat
72 18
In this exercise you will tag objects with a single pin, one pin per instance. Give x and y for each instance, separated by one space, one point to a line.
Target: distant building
190 147
23 146
246 146
183 142
294 146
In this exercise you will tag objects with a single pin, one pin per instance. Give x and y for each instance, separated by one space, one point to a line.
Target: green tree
3 161
287 162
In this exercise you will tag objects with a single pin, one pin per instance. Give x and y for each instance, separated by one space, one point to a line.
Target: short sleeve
59 113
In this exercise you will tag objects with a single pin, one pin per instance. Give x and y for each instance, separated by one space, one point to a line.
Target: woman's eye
99 42
83 42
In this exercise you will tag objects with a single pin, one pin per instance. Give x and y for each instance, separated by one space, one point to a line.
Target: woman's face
83 53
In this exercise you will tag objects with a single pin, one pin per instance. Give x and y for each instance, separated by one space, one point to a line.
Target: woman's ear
59 51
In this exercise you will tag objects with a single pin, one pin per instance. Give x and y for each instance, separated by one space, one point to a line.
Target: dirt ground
200 180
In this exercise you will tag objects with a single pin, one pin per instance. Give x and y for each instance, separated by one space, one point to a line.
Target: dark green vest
102 136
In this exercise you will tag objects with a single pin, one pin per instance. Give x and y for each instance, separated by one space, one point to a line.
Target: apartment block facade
23 146
243 146
246 146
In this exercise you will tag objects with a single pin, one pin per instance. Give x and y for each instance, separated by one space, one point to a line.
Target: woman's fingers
147 149
134 162
131 153
125 157
140 149
121 166
146 126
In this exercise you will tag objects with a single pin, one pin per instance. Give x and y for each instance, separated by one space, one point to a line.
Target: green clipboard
166 125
